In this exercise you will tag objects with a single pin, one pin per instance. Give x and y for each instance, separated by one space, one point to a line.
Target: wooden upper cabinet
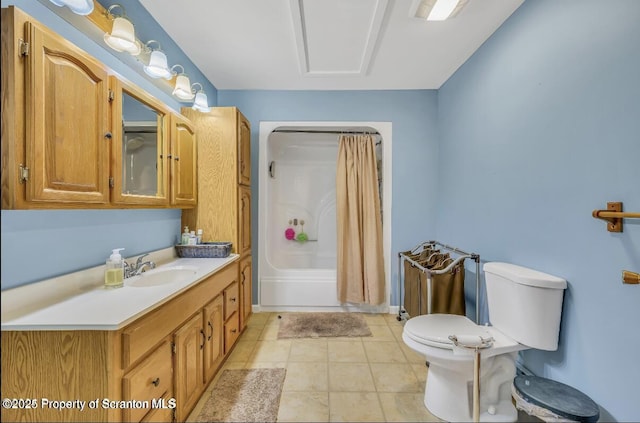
76 136
224 168
66 122
183 158
140 147
244 150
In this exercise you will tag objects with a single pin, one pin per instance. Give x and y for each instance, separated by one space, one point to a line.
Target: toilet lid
435 329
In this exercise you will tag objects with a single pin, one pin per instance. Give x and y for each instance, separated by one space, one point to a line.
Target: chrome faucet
137 268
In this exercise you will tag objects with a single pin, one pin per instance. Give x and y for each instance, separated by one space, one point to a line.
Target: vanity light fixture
157 67
122 36
200 103
435 10
182 88
79 7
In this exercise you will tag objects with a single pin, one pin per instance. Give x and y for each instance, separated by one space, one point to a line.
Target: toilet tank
525 304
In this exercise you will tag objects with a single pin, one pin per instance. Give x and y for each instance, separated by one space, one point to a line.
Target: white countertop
111 309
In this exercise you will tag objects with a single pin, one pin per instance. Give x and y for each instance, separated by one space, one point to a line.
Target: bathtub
297 184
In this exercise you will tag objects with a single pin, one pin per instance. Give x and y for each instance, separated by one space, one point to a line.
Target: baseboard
256 308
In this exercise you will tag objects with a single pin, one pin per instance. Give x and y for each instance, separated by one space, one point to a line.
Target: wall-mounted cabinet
75 135
141 133
55 115
183 158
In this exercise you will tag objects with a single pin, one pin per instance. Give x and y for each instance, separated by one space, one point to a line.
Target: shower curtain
360 272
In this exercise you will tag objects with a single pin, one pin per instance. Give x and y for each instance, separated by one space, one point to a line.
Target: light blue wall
38 245
413 116
540 127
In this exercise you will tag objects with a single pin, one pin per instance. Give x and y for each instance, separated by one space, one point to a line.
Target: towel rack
614 215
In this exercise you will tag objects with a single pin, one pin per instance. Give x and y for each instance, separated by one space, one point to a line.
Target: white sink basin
162 276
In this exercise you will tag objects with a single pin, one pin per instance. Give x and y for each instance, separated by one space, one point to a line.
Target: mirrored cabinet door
140 144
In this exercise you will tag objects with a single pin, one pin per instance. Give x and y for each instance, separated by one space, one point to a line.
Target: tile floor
365 379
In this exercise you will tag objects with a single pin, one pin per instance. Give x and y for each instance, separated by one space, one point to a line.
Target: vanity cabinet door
183 162
66 121
189 343
245 291
214 331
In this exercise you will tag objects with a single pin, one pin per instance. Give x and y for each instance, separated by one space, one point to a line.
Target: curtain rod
309 131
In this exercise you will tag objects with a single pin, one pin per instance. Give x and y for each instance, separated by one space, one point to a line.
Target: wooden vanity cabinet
199 347
167 357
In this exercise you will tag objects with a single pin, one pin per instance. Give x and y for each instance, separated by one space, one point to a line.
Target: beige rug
244 395
316 325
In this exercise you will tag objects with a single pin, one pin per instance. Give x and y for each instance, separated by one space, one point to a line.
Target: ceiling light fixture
436 10
79 7
200 103
157 66
122 36
182 88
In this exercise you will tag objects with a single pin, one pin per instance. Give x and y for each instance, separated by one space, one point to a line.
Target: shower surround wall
301 187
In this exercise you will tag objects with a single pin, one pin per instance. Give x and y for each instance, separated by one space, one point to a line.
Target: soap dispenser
114 272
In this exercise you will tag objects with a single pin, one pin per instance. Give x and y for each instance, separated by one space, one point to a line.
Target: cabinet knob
176 158
233 299
108 135
211 334
156 381
234 330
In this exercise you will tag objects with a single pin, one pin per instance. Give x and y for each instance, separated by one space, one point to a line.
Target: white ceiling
325 44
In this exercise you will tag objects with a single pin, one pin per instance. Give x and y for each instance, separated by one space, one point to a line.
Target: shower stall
297 215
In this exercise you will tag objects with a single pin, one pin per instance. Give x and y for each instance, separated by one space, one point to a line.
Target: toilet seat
433 330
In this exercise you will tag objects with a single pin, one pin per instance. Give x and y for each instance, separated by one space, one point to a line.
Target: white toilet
525 307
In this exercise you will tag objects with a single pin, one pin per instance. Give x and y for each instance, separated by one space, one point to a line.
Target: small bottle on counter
199 237
192 238
185 236
114 272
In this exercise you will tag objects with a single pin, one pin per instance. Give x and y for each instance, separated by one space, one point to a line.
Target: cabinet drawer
163 412
151 379
231 300
231 332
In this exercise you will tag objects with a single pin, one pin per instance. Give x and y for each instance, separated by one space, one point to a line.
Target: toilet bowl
450 375
524 308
